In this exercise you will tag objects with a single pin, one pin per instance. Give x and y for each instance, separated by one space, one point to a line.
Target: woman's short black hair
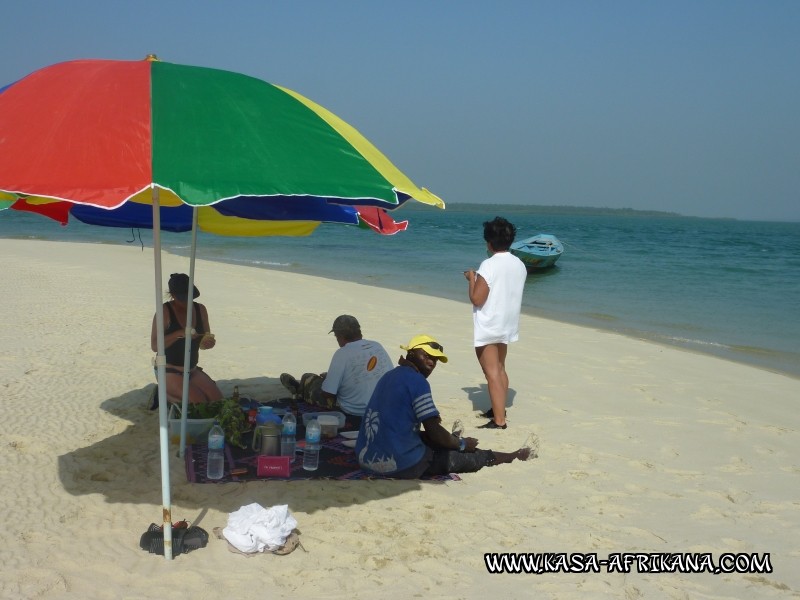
179 286
499 233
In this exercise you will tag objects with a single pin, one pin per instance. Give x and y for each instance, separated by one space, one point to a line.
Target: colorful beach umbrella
102 132
110 136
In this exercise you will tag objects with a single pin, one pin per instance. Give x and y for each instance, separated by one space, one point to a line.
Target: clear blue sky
685 106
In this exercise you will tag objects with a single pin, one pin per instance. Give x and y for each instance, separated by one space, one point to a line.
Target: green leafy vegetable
230 415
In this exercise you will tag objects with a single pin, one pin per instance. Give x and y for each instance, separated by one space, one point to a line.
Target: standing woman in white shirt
495 291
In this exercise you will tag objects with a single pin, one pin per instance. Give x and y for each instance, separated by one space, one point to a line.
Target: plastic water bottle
216 449
288 433
311 452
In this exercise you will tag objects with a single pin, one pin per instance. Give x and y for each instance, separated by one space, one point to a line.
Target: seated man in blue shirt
390 441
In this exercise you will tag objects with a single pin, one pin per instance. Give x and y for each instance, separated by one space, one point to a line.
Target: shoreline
724 352
643 448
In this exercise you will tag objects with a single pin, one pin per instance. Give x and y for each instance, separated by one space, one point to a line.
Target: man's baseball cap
346 325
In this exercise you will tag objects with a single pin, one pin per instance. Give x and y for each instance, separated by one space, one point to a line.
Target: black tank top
174 353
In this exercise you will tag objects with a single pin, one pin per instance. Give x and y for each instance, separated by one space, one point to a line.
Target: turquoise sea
719 286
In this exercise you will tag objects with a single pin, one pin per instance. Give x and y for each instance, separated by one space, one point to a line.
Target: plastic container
329 426
196 429
216 452
311 451
289 436
335 413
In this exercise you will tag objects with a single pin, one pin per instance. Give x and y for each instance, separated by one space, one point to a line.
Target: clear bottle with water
216 452
288 436
311 452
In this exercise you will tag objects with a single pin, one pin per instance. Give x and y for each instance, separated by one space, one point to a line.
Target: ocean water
723 287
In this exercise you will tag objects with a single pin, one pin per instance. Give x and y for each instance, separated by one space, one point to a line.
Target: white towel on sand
254 528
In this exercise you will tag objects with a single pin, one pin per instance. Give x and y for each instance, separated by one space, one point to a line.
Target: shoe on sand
492 425
184 539
489 414
152 401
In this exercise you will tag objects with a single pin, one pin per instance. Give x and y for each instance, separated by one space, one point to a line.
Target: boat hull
535 263
538 252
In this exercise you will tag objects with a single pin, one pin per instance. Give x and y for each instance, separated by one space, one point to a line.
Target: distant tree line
507 209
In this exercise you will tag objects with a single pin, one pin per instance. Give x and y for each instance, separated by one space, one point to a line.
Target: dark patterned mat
336 461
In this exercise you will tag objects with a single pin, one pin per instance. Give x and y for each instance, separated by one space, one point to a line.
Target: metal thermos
267 439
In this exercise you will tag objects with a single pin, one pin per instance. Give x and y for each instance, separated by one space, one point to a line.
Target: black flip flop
153 404
489 414
184 539
492 425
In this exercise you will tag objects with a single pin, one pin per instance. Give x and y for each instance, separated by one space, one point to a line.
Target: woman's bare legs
492 359
201 383
201 387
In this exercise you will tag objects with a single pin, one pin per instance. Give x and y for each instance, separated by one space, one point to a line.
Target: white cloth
497 321
254 528
354 372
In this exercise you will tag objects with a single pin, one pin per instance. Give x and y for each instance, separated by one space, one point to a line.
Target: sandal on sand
489 414
290 544
492 425
152 401
184 538
290 383
192 538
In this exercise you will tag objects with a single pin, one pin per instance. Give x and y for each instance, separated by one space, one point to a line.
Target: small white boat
538 252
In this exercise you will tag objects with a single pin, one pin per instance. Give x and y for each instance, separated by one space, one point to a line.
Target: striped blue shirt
389 439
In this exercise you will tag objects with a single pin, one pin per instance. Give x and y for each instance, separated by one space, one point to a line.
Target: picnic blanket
336 461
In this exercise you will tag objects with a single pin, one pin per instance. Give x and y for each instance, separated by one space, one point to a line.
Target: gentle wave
259 263
682 340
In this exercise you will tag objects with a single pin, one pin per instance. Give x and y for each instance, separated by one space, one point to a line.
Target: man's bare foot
530 449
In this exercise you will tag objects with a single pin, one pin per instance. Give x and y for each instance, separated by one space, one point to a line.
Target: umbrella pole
161 362
188 336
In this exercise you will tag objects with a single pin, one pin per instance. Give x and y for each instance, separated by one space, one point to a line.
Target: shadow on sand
479 396
125 467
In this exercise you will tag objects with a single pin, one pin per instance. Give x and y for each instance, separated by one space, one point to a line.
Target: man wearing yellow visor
391 441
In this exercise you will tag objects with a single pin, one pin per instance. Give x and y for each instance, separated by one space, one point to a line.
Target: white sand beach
643 448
